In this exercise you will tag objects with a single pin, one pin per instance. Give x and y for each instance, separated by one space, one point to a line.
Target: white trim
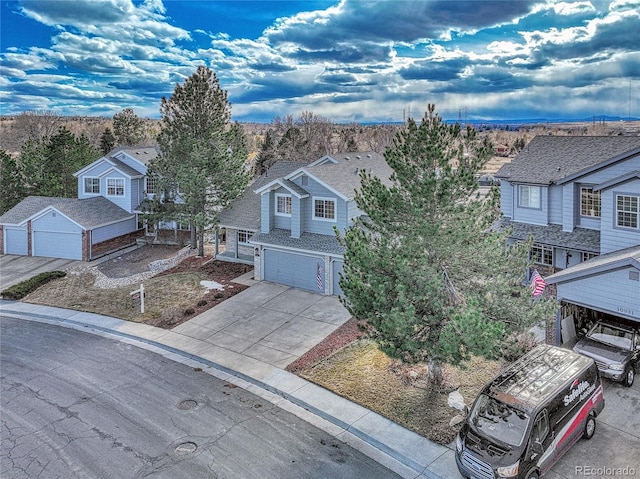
322 218
277 196
124 189
295 174
84 185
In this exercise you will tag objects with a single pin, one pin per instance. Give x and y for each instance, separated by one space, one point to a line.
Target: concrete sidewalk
200 341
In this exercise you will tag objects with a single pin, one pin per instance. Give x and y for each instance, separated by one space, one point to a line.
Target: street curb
417 470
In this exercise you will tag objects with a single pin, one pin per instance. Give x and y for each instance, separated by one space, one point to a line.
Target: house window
589 202
115 186
150 185
528 196
283 204
628 211
584 256
324 209
542 254
243 236
92 185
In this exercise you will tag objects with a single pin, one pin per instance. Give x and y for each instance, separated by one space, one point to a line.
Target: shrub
202 302
189 311
20 290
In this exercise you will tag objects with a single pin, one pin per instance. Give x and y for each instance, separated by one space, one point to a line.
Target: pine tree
107 141
128 128
202 163
419 268
12 182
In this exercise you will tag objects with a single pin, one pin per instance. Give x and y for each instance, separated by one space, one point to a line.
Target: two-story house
291 237
579 199
104 217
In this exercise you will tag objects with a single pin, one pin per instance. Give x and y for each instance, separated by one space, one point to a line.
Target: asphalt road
76 405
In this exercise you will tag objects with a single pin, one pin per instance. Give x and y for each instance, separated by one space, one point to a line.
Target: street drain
186 448
187 404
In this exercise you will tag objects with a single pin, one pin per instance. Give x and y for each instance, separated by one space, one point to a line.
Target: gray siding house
579 199
290 238
100 219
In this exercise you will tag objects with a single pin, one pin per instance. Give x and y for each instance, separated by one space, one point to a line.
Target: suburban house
103 218
578 197
284 223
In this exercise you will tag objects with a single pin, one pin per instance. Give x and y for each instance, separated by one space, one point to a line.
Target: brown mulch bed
222 272
341 337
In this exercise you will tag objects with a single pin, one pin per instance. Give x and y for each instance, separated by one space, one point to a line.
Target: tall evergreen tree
128 128
202 161
107 141
12 182
420 269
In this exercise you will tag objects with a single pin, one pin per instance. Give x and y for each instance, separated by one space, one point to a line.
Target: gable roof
88 213
142 154
343 176
598 265
244 213
618 180
557 159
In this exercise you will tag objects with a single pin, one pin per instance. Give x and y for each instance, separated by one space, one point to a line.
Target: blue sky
349 60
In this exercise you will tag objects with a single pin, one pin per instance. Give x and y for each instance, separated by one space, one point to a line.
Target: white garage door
57 245
15 241
295 270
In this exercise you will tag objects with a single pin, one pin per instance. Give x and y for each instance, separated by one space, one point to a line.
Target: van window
498 421
541 427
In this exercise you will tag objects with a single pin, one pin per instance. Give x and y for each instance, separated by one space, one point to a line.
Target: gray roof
344 176
244 213
554 159
313 242
124 168
599 264
89 213
580 239
144 154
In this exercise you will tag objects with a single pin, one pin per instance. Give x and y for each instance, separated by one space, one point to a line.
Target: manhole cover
187 404
186 448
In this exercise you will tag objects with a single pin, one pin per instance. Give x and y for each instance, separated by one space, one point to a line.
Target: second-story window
589 202
585 256
542 254
115 186
628 211
528 196
150 185
283 204
92 185
324 209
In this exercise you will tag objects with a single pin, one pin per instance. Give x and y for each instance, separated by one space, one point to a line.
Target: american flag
537 283
319 278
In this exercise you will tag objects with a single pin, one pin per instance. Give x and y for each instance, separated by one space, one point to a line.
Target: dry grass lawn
175 292
364 374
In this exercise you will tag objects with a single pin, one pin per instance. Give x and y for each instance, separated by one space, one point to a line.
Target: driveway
270 322
14 268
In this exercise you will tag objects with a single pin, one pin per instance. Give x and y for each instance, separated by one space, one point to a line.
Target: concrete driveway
613 450
270 322
14 268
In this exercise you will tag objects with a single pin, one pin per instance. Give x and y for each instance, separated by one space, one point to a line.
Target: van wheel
629 377
533 475
590 427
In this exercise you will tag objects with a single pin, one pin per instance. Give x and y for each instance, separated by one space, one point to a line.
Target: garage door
15 241
295 270
57 245
337 267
